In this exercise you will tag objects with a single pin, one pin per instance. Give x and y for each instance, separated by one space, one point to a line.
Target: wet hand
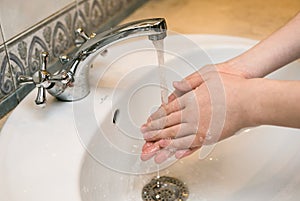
203 109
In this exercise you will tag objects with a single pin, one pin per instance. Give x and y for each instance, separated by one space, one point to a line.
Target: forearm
279 49
274 102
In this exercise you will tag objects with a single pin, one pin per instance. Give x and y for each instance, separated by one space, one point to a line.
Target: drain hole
115 117
165 189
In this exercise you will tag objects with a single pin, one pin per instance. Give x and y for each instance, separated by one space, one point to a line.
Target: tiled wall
55 35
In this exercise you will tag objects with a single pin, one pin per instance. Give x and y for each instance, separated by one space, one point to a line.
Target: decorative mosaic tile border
56 36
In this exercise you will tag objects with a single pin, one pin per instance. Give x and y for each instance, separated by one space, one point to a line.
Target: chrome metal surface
71 82
165 189
40 79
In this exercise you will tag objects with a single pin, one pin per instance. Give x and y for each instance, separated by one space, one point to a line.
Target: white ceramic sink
89 150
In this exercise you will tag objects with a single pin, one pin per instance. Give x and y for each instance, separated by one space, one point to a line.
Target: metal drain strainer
165 189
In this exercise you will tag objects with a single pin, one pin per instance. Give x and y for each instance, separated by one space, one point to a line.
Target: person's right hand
195 79
208 103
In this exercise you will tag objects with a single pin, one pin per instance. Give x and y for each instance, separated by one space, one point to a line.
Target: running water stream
159 46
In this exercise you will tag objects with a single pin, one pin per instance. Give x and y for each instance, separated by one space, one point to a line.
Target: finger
149 150
166 109
163 122
186 152
176 93
188 83
176 131
173 96
163 155
187 142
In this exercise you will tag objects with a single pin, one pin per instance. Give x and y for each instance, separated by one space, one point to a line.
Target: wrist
272 102
234 67
254 100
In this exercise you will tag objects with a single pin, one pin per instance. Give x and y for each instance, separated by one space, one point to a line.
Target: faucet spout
75 83
155 29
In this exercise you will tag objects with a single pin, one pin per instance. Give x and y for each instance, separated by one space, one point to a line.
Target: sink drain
165 189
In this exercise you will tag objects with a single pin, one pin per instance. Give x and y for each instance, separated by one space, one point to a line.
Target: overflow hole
115 117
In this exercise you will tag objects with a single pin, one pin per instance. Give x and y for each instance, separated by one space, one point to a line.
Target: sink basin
89 150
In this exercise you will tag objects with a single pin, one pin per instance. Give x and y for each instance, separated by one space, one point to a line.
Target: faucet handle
40 79
43 80
64 59
82 36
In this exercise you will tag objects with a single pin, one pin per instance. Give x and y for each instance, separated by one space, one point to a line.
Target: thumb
187 84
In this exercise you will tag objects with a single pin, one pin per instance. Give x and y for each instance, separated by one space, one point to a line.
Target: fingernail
143 128
149 119
145 157
148 135
149 151
165 142
171 98
147 145
180 154
162 156
176 82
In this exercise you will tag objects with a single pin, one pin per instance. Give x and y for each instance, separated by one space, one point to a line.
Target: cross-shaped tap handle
82 36
40 79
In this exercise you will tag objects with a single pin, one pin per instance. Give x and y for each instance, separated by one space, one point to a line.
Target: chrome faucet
71 82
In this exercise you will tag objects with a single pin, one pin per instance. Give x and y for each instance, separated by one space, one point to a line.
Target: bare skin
218 100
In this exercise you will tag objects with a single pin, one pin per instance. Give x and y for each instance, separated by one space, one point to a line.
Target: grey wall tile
56 36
